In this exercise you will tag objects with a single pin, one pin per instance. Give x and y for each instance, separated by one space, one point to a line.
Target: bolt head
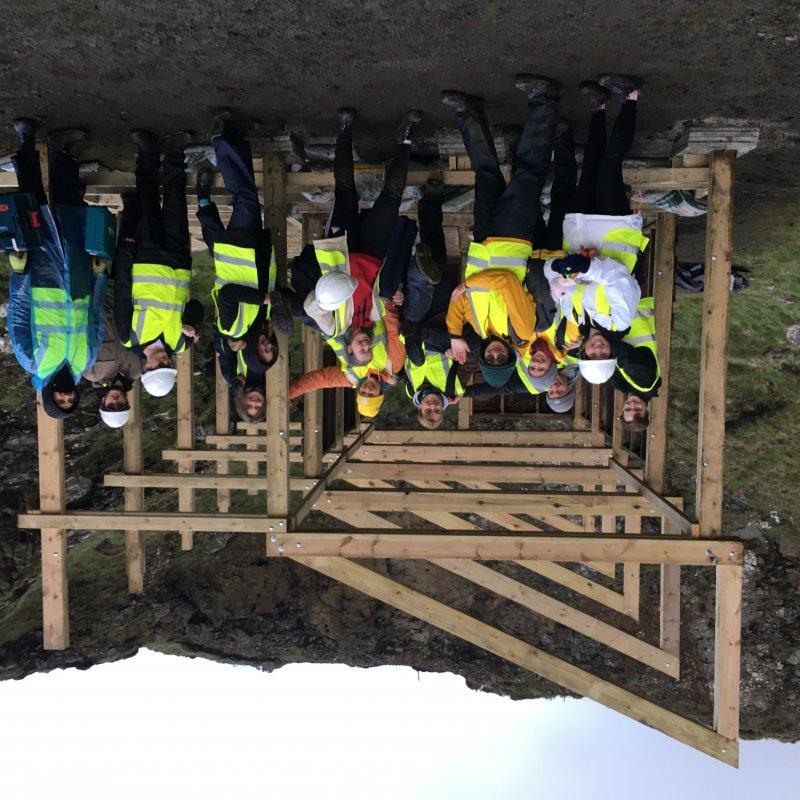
299 545
281 548
731 554
55 555
273 538
280 524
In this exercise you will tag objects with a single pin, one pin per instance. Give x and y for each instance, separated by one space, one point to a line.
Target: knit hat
60 381
562 404
496 375
369 406
544 382
423 393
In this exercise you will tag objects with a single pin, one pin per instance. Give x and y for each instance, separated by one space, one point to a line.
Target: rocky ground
118 66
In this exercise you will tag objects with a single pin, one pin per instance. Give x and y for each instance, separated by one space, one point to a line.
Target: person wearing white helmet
598 371
115 409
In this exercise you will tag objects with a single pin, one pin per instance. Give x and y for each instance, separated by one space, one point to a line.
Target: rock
789 546
77 487
750 533
793 335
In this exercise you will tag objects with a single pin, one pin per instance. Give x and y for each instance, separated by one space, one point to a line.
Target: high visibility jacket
380 355
234 264
524 359
508 254
643 334
620 238
435 370
333 256
159 295
60 326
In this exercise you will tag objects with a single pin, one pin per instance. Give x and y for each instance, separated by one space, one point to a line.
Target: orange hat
369 406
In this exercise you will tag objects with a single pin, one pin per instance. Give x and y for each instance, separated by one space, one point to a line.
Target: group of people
539 303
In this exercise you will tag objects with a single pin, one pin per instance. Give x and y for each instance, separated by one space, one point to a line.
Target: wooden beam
527 438
559 612
526 455
576 583
133 461
631 577
498 546
312 407
260 456
727 650
714 344
185 435
150 521
198 480
338 418
52 499
223 426
660 505
524 655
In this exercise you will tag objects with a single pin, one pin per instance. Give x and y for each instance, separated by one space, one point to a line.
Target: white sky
158 726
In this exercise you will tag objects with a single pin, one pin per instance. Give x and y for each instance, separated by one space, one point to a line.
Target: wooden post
714 344
338 419
223 425
134 496
185 436
52 498
312 360
727 650
275 212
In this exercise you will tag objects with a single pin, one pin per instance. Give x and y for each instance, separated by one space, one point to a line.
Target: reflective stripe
159 304
478 263
159 279
509 261
478 322
239 322
66 331
50 304
238 262
249 284
635 341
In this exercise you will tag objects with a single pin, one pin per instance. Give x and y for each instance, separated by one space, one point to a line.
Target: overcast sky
158 726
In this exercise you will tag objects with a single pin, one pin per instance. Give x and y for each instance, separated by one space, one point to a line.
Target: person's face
254 403
597 347
360 347
495 354
237 345
266 352
559 388
431 407
633 408
539 364
156 359
371 387
115 400
64 400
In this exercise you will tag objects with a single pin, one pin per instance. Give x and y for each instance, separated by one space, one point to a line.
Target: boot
346 117
405 132
537 85
176 142
461 102
427 265
63 139
414 351
25 129
621 85
204 184
146 141
218 124
595 94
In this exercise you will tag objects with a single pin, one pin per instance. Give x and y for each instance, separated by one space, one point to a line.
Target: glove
100 265
18 260
571 265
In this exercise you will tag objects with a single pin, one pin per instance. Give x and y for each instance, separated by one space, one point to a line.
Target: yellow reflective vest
159 295
61 329
234 264
643 334
621 244
434 370
380 354
509 254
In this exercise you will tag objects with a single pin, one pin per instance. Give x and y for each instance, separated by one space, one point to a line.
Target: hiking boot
414 351
204 183
176 142
145 140
346 118
433 187
595 94
281 314
563 128
25 129
63 139
621 85
427 265
537 86
218 124
461 102
405 132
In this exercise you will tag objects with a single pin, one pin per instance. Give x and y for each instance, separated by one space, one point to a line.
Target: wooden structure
491 506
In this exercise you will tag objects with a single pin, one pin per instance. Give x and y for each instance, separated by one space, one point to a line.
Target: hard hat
115 419
598 371
160 381
369 406
334 289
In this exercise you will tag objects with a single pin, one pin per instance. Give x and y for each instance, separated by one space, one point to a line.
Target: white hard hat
159 382
334 289
115 419
598 371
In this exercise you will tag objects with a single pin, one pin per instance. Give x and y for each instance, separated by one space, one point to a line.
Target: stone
789 546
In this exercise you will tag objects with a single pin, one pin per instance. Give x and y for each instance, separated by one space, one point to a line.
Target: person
244 293
561 394
492 298
56 290
593 283
117 368
152 310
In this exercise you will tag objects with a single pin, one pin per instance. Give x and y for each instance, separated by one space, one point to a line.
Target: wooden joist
133 461
450 438
435 454
150 521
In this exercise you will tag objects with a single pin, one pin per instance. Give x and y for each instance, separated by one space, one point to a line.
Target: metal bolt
667 664
731 554
281 524
313 505
705 463
316 430
724 749
55 555
299 545
652 436
366 451
273 538
272 527
329 500
281 433
714 258
652 511
349 470
281 548
629 611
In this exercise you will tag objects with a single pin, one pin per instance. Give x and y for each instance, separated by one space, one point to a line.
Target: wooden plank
185 435
471 473
233 455
559 612
312 407
631 578
531 658
496 546
150 521
714 345
727 650
223 427
338 429
525 455
170 480
526 438
52 498
577 583
133 461
250 440
670 609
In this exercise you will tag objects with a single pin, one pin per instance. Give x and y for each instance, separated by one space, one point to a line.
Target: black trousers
510 211
369 232
163 226
549 235
66 188
601 189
